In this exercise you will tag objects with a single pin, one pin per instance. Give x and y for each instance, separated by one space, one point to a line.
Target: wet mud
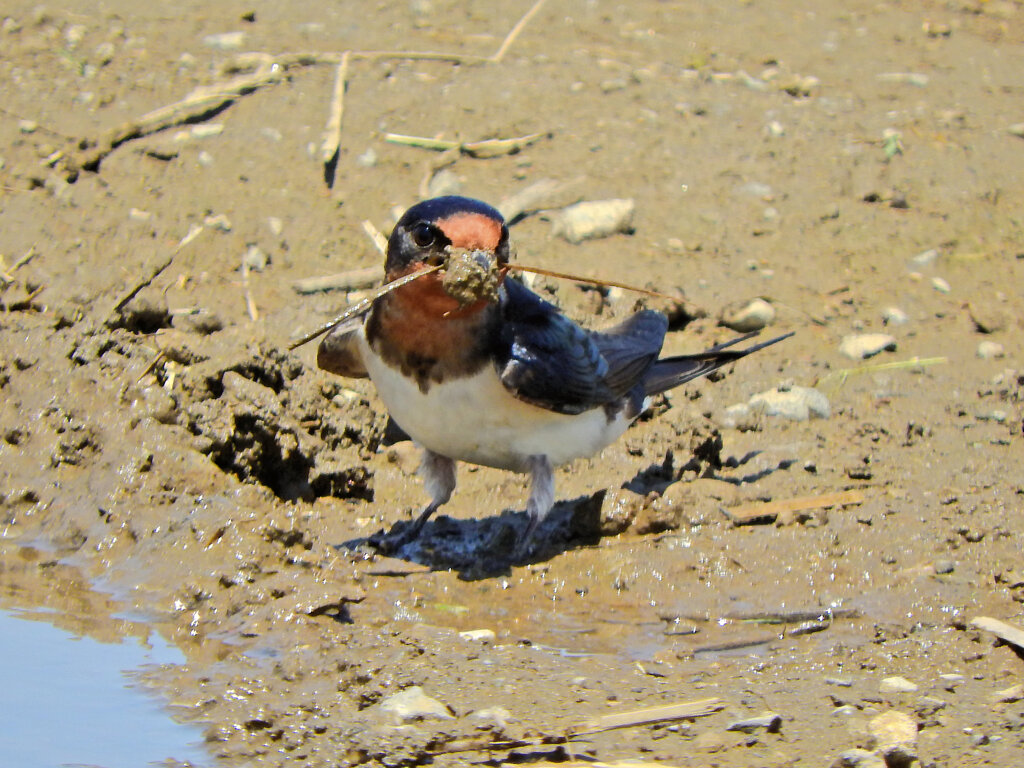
856 167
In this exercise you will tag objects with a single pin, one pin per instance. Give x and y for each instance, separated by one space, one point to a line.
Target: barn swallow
505 381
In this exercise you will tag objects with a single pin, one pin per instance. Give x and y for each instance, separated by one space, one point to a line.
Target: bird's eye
423 235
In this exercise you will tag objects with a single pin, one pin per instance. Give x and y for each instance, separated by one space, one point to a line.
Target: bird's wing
546 359
339 351
631 348
671 372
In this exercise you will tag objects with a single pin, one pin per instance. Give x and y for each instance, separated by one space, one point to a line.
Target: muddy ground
165 458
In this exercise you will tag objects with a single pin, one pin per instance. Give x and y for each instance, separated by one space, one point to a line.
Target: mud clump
470 276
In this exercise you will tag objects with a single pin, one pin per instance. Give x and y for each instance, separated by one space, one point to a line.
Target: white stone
896 684
862 345
414 704
751 316
796 403
478 635
988 350
895 316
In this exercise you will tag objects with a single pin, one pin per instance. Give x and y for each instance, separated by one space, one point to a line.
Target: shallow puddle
70 700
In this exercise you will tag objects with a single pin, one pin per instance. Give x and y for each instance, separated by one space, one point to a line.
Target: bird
503 380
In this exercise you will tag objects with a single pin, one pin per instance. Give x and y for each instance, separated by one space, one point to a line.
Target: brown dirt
163 455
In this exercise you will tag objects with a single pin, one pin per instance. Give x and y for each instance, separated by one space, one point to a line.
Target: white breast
476 419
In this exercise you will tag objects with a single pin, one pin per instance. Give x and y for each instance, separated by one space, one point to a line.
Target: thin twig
500 53
363 306
250 305
202 101
332 132
592 280
484 148
160 355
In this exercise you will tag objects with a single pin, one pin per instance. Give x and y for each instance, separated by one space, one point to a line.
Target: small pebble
207 130
225 41
205 159
368 159
255 259
895 316
444 182
896 685
594 219
864 345
478 635
796 403
414 704
842 682
136 214
1017 129
944 566
941 285
218 221
28 126
746 317
769 721
858 758
988 350
925 258
275 224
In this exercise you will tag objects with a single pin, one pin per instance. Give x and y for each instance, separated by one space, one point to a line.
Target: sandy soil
165 457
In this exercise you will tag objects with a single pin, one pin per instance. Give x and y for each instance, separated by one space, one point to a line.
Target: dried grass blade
698 708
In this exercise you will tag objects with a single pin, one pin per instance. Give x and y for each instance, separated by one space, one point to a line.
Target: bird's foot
392 541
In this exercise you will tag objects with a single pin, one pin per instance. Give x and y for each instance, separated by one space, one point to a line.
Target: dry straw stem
332 132
484 148
767 512
838 378
682 711
250 305
514 33
362 306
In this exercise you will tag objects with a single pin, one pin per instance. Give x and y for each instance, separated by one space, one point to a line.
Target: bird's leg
439 478
542 498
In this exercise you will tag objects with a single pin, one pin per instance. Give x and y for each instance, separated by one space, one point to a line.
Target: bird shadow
484 548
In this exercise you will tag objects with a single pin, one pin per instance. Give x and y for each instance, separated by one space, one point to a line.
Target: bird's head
468 237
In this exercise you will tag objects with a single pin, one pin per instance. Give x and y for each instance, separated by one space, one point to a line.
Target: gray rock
769 721
796 403
944 566
749 316
863 345
414 704
858 758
